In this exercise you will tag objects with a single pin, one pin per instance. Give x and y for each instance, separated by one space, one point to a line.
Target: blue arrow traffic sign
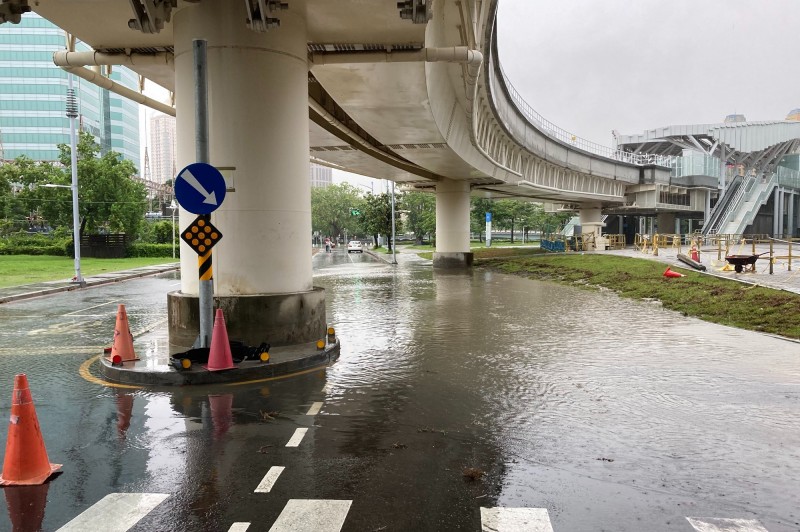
200 188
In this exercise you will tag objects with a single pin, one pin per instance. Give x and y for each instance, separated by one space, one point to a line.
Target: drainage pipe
74 63
64 58
117 88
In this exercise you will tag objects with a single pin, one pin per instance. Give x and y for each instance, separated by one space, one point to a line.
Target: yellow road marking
278 377
86 374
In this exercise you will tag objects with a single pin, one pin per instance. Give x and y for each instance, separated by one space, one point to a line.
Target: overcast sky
591 66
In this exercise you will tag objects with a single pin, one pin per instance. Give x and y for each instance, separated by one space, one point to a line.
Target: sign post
200 189
488 229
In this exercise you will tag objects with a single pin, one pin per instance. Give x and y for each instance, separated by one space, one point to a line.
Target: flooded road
453 392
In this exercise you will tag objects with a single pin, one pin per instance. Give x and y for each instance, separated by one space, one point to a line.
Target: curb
245 372
89 283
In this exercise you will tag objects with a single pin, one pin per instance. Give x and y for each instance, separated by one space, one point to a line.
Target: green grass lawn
713 299
24 269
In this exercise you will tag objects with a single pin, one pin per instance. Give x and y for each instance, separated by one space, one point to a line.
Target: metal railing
744 190
788 177
552 130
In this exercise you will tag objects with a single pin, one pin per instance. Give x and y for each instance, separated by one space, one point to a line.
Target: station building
734 177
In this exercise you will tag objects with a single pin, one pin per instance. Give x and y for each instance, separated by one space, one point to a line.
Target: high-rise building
321 176
33 94
162 148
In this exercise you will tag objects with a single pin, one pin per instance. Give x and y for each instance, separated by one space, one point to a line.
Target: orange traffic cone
26 507
26 460
122 347
669 273
219 356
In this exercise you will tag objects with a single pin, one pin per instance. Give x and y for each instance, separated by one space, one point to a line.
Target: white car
354 246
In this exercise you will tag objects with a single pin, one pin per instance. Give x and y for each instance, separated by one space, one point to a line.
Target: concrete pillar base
452 260
278 319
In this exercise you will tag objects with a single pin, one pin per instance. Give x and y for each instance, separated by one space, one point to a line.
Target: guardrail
565 136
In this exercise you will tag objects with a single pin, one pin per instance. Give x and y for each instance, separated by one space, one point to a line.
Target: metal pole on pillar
394 243
204 263
72 113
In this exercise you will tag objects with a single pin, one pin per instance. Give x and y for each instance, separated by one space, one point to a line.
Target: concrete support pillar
791 221
258 124
776 211
591 222
677 230
452 225
665 221
781 211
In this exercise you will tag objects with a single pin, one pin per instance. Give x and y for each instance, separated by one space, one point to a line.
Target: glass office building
33 97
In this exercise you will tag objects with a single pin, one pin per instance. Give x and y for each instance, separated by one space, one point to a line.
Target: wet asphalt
453 392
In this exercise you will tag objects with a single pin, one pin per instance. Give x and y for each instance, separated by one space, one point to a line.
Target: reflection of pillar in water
124 412
26 506
221 413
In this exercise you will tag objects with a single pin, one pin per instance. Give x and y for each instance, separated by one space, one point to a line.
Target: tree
22 198
108 198
336 209
512 213
377 216
477 215
420 210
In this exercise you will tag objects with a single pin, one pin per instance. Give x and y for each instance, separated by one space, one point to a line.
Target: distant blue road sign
200 188
488 217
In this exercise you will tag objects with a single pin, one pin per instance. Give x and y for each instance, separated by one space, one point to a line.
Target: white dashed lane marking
265 486
314 410
515 520
312 515
297 437
127 509
704 524
239 527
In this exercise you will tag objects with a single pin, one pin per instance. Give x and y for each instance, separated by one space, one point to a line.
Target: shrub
23 243
151 250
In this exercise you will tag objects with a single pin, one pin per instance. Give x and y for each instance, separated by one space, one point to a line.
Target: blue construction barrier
552 245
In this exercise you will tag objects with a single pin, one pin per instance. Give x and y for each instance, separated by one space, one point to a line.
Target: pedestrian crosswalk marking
515 520
312 515
127 509
704 524
265 486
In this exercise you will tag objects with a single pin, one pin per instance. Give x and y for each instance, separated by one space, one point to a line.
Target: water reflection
579 382
26 505
124 402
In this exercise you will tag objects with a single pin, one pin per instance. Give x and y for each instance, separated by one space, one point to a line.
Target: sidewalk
27 291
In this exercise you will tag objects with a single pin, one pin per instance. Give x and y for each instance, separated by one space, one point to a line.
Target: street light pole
72 114
394 243
173 206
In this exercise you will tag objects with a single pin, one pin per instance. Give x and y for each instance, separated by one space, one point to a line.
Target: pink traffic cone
219 357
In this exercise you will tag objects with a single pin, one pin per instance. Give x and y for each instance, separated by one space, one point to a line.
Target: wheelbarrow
740 261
